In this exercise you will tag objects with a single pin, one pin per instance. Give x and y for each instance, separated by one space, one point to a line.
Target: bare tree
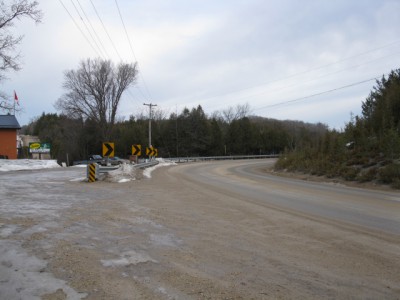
94 91
228 114
10 11
236 113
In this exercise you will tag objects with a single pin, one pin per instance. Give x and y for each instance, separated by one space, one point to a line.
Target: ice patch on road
24 277
26 164
128 258
78 179
7 230
164 240
161 163
124 180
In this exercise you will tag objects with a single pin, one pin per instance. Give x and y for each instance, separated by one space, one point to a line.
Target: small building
8 136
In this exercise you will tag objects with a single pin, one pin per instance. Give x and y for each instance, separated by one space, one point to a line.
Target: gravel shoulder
170 237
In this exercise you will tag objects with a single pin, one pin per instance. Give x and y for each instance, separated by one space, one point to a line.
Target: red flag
16 97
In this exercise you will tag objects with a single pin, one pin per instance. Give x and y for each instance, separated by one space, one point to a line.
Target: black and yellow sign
108 149
92 173
151 151
137 150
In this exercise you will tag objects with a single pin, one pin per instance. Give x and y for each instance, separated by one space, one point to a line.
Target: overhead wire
303 72
87 29
314 95
94 31
105 30
76 24
131 47
99 51
317 78
135 58
232 92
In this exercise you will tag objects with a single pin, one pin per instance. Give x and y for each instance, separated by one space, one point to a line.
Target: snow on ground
125 173
161 163
128 172
26 164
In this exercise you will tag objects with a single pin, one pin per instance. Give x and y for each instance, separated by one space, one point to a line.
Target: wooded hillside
367 150
190 133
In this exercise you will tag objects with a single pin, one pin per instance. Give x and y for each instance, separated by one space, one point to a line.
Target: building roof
9 122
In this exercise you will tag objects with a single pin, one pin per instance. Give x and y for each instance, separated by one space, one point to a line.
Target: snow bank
26 164
125 173
128 172
161 163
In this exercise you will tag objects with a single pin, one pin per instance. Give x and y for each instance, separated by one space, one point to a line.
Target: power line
308 71
112 43
76 24
105 30
103 49
314 95
87 28
126 32
318 77
131 47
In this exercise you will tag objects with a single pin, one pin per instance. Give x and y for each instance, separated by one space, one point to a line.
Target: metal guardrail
232 157
105 169
146 164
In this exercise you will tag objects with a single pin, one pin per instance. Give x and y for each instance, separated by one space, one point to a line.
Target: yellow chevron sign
137 150
151 151
108 149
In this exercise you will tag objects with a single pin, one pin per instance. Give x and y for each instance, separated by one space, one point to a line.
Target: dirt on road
170 238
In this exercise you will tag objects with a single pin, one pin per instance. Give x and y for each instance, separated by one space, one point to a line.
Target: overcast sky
272 55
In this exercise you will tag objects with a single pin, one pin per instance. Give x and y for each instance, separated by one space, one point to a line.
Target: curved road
210 230
369 209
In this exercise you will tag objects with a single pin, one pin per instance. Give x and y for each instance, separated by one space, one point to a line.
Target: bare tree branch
94 91
9 12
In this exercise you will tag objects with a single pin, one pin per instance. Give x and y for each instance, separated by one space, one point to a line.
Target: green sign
39 147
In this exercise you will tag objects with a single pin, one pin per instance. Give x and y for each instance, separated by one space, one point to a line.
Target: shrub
396 184
389 173
367 175
349 173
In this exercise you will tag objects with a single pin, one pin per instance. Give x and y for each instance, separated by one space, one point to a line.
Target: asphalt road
375 210
210 230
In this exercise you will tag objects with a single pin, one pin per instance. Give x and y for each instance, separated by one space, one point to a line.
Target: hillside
368 150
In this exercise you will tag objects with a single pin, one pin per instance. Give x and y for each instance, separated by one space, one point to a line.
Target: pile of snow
161 163
125 173
26 164
129 172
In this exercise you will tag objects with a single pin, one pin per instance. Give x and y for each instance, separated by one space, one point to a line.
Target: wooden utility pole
150 105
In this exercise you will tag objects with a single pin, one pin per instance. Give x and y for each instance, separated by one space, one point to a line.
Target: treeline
190 133
367 150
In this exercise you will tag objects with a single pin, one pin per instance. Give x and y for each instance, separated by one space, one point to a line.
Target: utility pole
150 105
